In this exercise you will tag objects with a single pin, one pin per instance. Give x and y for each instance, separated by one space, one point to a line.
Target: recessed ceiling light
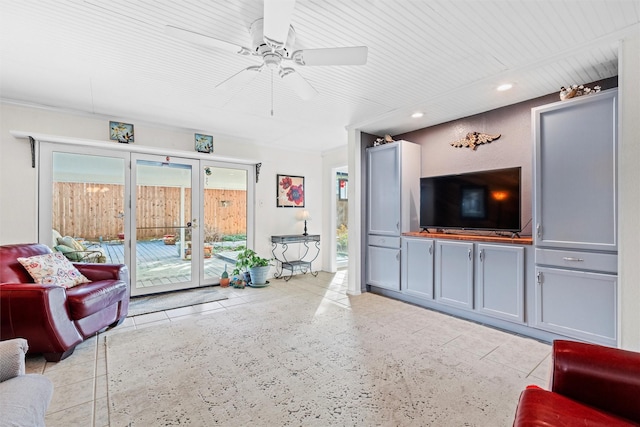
505 86
417 115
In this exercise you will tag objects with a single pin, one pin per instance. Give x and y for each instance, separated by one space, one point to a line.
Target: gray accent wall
513 148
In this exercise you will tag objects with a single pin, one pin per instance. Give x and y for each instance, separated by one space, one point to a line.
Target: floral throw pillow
53 269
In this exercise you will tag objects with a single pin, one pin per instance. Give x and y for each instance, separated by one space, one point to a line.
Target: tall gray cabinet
393 207
576 217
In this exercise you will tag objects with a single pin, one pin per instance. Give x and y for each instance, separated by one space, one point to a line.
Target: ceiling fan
273 40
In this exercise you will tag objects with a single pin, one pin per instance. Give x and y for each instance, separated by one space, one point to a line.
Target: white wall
18 180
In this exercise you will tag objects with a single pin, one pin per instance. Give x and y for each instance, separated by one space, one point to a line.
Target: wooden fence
92 211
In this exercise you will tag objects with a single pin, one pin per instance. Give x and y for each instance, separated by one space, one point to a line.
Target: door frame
44 144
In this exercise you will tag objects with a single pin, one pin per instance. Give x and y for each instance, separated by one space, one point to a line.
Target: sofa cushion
53 269
538 408
89 298
24 400
69 252
72 243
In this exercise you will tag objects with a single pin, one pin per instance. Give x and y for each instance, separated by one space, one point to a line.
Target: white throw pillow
53 269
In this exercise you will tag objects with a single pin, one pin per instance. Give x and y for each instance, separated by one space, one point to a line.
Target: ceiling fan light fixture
272 60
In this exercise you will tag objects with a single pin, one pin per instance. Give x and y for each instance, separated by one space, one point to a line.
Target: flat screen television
483 200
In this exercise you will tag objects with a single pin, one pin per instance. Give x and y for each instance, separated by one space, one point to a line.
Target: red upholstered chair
54 319
591 385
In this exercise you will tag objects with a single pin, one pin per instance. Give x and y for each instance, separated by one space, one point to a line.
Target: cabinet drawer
386 241
578 260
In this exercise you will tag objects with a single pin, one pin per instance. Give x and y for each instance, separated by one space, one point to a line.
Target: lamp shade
304 215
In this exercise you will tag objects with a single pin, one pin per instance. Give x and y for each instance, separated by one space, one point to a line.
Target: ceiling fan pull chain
271 93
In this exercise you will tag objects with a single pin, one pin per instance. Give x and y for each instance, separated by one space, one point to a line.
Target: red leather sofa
54 319
591 385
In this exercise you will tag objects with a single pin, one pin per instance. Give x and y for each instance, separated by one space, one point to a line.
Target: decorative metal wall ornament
473 139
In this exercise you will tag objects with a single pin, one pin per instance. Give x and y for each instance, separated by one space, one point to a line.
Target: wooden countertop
527 240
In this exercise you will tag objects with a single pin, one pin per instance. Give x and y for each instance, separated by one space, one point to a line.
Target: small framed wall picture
121 132
290 191
204 143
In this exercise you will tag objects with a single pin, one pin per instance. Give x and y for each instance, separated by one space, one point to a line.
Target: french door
83 195
176 222
165 223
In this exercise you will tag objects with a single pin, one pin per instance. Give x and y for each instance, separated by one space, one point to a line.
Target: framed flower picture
204 143
290 191
121 132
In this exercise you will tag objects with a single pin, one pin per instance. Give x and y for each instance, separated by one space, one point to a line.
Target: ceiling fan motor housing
261 47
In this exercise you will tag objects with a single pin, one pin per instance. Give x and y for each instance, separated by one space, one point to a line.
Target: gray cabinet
383 183
500 281
383 267
575 216
454 273
575 173
578 304
393 203
417 267
393 188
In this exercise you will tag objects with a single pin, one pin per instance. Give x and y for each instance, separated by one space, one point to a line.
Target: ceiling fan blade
298 83
277 19
240 79
356 55
206 41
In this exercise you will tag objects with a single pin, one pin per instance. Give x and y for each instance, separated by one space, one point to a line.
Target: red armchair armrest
37 311
95 272
602 377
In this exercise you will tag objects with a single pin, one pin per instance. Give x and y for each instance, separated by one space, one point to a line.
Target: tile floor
80 381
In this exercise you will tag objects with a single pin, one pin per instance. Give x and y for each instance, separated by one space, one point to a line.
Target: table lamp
304 215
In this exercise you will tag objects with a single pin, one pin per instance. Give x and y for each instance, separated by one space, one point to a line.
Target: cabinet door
577 304
383 189
417 267
575 184
383 267
500 282
454 273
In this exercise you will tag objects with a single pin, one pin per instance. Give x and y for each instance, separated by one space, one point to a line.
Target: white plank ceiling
444 58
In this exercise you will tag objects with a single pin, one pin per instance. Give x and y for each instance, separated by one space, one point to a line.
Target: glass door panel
225 216
165 228
84 215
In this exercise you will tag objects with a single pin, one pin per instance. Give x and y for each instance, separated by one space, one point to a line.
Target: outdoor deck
160 264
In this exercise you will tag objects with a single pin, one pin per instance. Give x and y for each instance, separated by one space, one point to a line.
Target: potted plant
256 266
